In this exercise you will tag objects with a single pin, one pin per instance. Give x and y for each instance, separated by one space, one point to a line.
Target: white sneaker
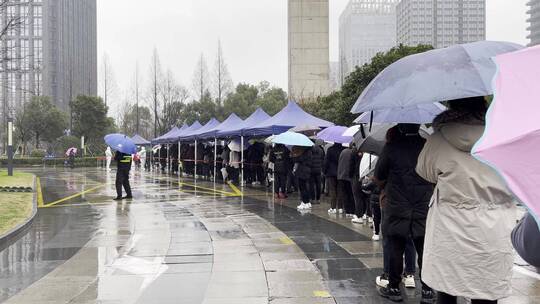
370 220
409 282
375 238
340 211
382 281
302 206
332 211
364 217
308 206
357 220
355 217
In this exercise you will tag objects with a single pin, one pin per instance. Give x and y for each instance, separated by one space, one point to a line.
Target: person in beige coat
467 251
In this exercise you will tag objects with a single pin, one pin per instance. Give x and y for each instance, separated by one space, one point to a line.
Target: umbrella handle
370 121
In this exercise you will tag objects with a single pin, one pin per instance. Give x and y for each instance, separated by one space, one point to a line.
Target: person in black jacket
317 160
163 158
301 158
407 201
526 240
330 173
345 174
122 175
280 157
255 163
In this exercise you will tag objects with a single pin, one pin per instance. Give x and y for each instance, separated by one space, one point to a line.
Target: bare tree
137 105
200 78
108 84
174 97
223 83
155 76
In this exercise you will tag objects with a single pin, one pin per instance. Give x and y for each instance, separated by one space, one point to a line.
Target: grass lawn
19 179
14 207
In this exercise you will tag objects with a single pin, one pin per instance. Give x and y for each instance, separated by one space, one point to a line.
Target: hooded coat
407 194
467 249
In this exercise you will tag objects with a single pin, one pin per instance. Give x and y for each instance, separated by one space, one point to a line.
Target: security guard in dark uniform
122 175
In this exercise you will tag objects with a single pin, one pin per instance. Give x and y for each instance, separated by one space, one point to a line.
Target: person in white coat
108 157
467 250
142 157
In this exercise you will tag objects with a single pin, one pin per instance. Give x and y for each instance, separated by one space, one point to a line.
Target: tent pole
242 160
179 158
168 158
151 158
215 159
195 160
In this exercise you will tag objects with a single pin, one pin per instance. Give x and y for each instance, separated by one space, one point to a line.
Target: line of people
429 197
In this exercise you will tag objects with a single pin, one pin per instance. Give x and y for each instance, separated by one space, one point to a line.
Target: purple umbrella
334 134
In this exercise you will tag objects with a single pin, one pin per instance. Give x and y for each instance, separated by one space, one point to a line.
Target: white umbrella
451 73
351 131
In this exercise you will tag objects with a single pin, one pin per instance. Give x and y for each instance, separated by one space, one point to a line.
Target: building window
38 53
38 26
25 54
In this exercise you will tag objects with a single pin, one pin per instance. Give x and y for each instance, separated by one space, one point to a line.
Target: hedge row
58 162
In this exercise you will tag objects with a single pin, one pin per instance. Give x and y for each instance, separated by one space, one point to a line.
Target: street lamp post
10 146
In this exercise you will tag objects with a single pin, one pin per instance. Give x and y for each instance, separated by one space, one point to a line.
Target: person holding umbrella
472 212
125 147
407 200
302 158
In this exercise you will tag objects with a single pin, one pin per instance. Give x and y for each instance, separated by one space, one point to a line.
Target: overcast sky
253 35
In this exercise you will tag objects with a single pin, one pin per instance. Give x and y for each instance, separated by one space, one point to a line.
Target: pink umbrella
511 143
68 152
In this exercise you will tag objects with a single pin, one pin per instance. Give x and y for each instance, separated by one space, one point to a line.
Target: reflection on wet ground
181 241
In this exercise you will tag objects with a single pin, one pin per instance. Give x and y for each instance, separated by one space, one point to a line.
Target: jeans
397 246
304 190
315 186
444 298
410 257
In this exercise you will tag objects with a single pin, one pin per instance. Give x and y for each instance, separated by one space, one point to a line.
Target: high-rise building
366 27
441 23
334 76
534 21
309 56
53 52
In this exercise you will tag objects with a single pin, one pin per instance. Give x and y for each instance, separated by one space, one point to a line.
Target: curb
10 237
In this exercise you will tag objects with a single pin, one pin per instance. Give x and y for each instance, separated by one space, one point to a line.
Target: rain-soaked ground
181 241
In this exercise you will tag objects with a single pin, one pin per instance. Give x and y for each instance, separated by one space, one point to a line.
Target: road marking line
208 189
235 189
201 192
286 241
321 294
72 196
39 193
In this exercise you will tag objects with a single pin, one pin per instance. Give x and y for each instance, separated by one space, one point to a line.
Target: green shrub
38 153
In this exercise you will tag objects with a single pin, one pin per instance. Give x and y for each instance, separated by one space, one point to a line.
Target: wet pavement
181 241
